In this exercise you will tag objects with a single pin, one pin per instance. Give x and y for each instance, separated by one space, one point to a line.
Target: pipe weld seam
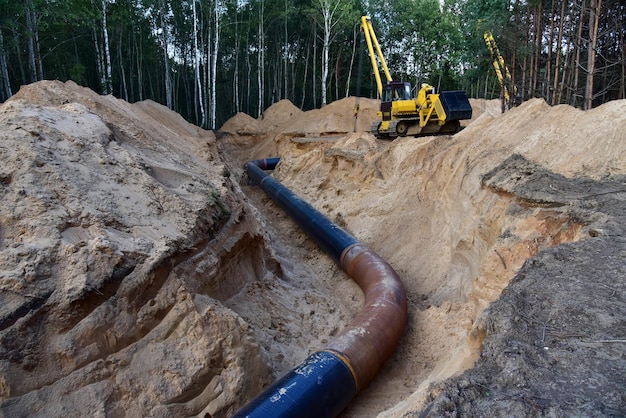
346 361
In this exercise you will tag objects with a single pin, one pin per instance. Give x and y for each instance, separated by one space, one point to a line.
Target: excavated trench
500 226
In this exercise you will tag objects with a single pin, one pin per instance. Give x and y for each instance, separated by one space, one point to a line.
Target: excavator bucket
456 105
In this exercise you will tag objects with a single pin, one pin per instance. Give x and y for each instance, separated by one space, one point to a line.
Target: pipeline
325 383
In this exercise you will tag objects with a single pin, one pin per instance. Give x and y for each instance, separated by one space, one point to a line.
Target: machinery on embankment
401 114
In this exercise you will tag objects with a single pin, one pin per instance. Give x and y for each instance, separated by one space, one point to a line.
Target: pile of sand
105 207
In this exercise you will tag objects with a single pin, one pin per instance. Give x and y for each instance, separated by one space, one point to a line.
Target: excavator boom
372 42
502 72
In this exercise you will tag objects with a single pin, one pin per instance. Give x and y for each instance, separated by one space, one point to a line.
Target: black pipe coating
325 383
330 237
322 386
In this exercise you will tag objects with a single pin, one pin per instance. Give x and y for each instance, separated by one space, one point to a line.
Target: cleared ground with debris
140 273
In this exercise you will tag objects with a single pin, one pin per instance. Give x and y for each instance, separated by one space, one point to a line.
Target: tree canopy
209 59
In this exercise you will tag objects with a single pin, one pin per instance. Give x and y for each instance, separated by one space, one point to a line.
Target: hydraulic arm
372 42
502 72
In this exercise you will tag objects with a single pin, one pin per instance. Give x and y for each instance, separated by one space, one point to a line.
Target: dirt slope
105 208
141 276
457 240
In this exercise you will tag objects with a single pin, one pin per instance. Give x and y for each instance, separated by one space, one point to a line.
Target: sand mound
335 118
243 125
279 113
562 138
104 205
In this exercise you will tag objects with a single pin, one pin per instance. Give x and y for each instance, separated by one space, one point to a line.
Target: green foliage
420 41
423 41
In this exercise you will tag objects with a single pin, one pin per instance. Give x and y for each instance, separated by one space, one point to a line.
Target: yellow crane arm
502 71
372 42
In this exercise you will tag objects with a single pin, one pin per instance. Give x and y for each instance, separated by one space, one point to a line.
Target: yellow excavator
400 113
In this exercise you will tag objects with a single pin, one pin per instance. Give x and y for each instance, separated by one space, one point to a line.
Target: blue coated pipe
321 386
325 383
330 237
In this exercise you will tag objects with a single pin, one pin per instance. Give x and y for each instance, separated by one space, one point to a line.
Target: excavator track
410 127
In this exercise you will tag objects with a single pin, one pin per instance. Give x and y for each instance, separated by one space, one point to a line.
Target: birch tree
34 49
217 17
157 13
328 9
198 82
100 36
108 87
261 59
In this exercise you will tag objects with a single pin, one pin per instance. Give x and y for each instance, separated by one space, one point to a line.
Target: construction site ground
140 275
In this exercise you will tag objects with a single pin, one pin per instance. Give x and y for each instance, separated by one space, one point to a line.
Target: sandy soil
109 214
141 274
425 206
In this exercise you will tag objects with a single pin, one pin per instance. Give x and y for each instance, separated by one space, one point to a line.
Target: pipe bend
373 335
359 351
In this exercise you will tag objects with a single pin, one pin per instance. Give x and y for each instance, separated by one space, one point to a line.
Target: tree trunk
566 71
30 26
338 66
166 59
306 72
99 60
5 92
623 78
139 55
248 79
214 55
325 48
577 64
34 49
38 60
548 73
205 42
514 56
537 46
525 74
124 87
527 65
354 43
196 65
594 16
107 51
261 61
556 97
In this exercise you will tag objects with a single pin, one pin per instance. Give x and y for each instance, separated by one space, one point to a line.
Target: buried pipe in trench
325 383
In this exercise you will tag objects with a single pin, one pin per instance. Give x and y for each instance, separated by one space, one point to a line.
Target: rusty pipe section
373 335
325 383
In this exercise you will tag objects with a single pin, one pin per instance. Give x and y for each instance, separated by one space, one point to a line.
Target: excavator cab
396 90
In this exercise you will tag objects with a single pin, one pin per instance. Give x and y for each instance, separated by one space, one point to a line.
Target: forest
209 59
